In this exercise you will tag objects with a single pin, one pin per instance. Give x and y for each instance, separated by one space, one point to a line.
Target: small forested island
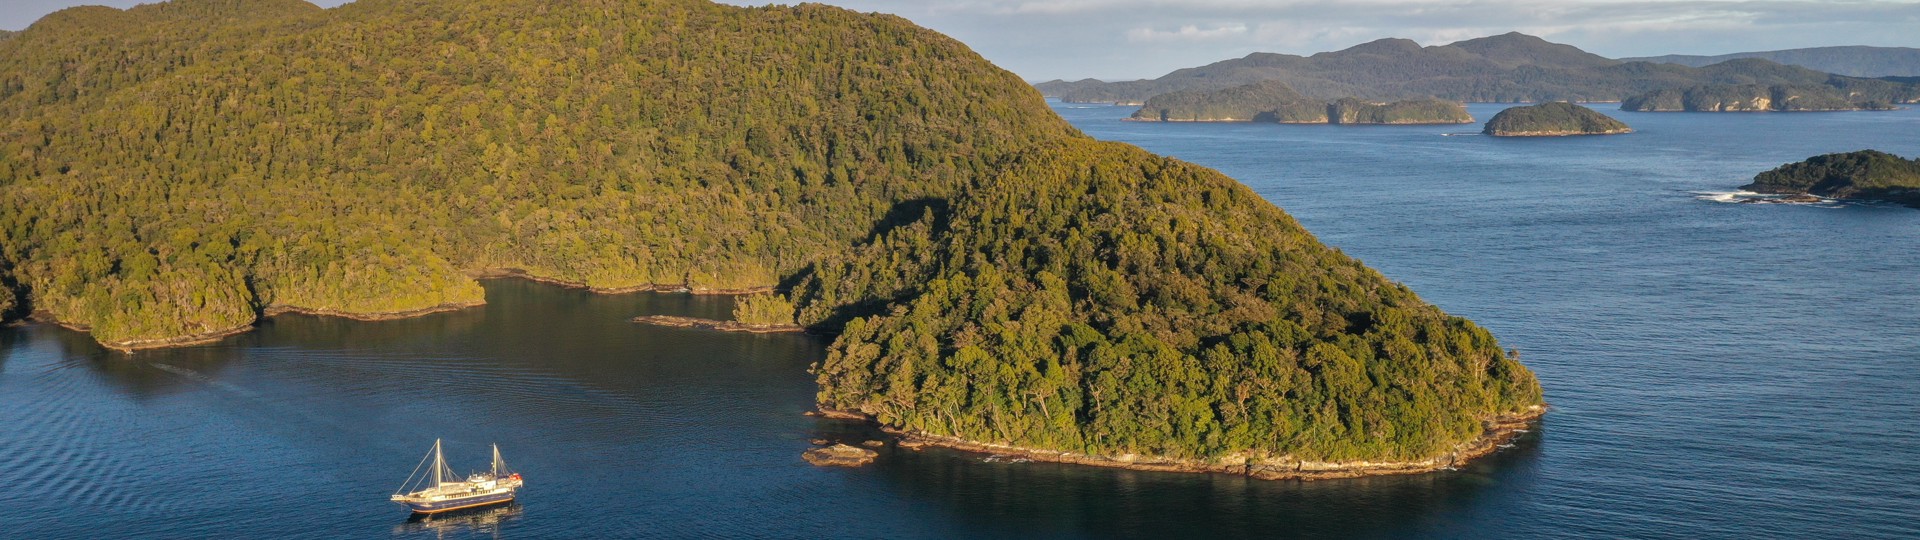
1752 98
992 277
1863 175
1274 101
1555 119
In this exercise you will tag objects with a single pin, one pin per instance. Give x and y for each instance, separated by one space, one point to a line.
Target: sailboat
440 490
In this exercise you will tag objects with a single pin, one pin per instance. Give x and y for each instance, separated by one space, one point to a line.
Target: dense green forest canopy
1506 68
1865 174
1274 101
175 170
1556 118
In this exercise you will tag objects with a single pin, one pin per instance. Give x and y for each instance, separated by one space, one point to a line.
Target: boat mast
439 464
498 465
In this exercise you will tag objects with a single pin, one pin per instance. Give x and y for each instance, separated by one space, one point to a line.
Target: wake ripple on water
1750 197
60 455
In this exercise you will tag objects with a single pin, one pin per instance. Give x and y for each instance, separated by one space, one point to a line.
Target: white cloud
1189 32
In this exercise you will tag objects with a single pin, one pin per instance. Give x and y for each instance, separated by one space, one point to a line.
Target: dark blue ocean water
1717 370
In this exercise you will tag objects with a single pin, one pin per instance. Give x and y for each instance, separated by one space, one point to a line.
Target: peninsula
1556 119
1868 175
1274 101
990 275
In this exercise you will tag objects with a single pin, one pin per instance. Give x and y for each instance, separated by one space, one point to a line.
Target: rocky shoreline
370 316
1559 133
210 336
162 343
1498 432
676 321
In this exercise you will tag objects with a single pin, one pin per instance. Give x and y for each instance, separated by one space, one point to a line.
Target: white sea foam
1726 196
1749 197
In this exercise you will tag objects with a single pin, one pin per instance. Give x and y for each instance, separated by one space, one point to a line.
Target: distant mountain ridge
1511 67
1851 60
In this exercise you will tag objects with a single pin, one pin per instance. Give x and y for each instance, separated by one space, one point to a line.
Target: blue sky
1123 39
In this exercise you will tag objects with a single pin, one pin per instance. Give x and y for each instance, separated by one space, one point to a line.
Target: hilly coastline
1755 98
176 171
1852 60
1506 68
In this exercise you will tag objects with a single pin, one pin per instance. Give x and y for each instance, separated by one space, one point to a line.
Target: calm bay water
1718 370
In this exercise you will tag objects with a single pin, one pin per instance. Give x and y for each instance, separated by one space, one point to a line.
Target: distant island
1554 119
1852 60
1264 101
1869 175
1411 111
1507 68
1752 98
1274 101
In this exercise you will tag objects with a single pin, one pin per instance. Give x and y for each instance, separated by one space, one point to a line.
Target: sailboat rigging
440 490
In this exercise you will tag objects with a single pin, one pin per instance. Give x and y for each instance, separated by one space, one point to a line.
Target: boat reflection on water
459 523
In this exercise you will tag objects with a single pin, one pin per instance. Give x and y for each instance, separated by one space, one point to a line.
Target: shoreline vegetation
1496 433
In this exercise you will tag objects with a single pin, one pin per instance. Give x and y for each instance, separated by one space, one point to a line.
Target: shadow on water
1019 498
515 309
10 337
461 523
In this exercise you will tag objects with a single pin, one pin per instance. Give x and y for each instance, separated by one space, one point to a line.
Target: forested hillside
173 171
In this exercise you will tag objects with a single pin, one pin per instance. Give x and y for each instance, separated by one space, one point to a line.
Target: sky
1130 39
